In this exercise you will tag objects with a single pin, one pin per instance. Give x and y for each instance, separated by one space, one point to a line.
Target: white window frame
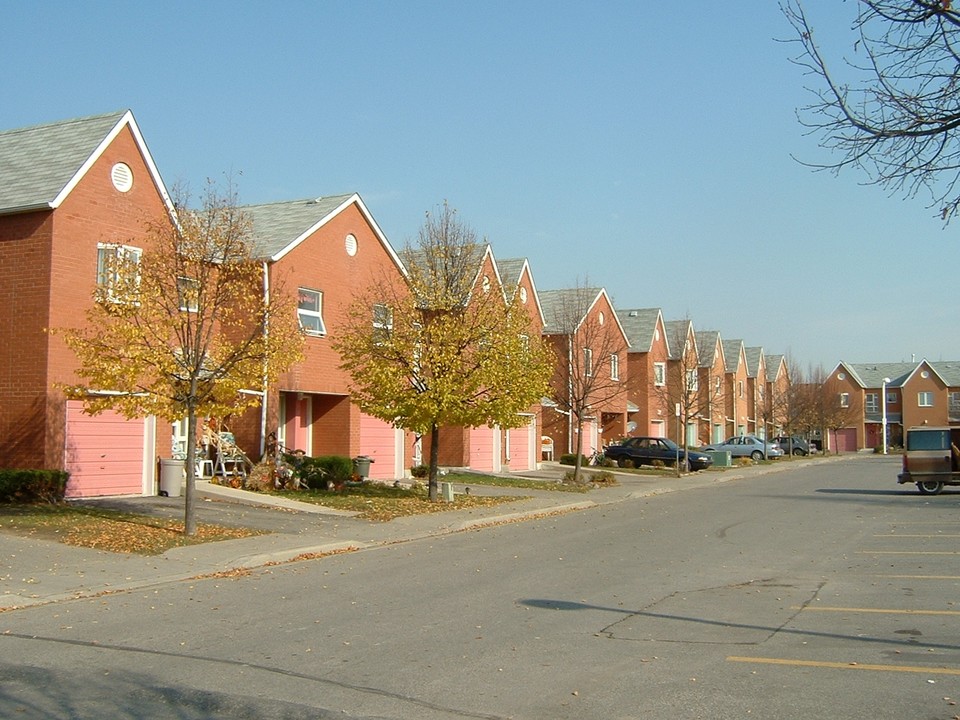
693 381
925 399
659 374
871 403
309 313
107 278
382 321
844 400
189 301
588 362
614 366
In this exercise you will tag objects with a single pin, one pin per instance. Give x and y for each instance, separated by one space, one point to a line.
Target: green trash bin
361 465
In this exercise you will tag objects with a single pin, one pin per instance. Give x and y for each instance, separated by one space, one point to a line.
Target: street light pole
883 413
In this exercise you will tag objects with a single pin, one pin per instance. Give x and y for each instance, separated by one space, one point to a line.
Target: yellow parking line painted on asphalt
876 611
846 665
920 577
908 552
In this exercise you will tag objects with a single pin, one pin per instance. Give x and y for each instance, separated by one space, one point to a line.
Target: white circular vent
924 374
350 243
122 177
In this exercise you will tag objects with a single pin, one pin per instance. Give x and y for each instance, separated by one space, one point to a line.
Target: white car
747 446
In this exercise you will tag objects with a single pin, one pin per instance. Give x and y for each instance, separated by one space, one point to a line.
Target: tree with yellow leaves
438 348
184 327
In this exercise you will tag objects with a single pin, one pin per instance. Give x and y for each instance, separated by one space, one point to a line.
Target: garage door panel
104 453
378 440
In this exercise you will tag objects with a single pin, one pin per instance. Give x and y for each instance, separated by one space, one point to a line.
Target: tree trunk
433 485
189 512
578 451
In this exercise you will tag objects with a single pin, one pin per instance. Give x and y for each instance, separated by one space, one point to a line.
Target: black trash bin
361 465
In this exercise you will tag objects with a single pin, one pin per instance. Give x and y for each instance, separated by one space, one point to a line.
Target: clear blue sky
644 147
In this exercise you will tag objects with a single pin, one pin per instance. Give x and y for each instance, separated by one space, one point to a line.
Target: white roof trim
353 199
126 121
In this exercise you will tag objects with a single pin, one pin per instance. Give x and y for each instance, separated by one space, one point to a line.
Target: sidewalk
34 572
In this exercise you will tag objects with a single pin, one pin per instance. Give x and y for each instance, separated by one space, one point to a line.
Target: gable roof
707 344
557 304
511 272
774 364
675 329
41 164
280 227
754 356
640 325
731 355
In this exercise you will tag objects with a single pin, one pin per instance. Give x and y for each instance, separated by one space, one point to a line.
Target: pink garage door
846 440
378 440
522 441
105 453
485 449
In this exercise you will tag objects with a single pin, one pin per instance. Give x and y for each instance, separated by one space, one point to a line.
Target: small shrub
658 464
30 486
601 477
316 472
420 471
743 461
571 459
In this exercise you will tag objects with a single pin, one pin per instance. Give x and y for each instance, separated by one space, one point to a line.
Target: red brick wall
50 266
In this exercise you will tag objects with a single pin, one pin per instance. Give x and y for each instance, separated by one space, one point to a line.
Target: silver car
747 446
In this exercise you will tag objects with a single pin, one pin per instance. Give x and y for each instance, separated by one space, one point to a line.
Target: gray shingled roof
559 306
731 354
37 162
677 331
754 356
277 225
639 324
510 270
707 345
773 363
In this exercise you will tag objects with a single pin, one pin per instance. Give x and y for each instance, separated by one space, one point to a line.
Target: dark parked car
793 443
644 450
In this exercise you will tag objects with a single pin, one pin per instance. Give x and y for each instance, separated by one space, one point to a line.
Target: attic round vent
350 243
924 374
122 177
523 295
841 376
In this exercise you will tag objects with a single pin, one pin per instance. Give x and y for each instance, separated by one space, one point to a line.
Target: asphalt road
827 591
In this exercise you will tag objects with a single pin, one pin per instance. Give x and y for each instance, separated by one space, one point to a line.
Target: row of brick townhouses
895 395
73 191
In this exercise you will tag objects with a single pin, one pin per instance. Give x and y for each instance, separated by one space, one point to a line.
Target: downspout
266 333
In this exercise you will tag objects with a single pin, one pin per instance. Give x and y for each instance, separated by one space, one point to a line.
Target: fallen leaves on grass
109 530
382 503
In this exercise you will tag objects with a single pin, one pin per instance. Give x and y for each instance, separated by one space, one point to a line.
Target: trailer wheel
930 487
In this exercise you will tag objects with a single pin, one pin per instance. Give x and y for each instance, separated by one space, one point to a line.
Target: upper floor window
844 400
871 403
188 290
891 398
310 311
587 362
717 385
953 407
739 388
659 374
693 382
382 322
925 399
614 367
118 272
